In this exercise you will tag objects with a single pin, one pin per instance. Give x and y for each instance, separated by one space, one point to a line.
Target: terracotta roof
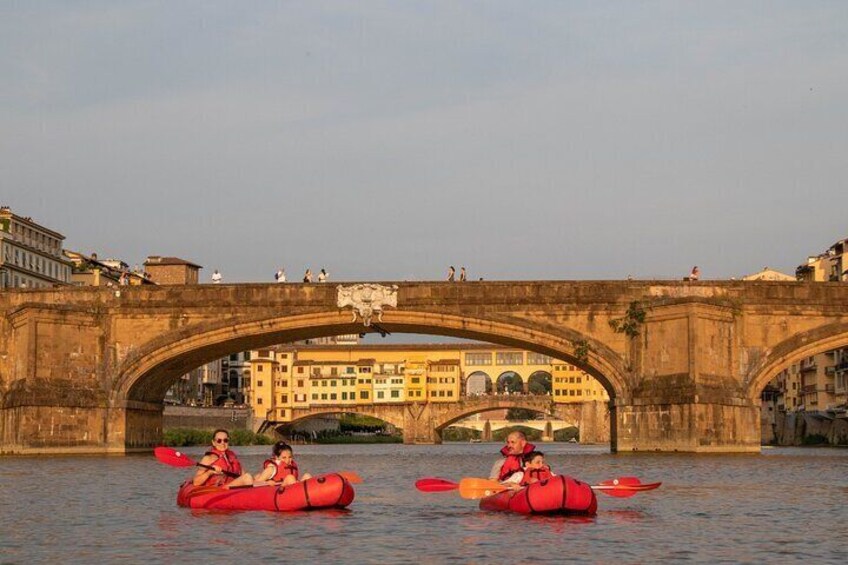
157 260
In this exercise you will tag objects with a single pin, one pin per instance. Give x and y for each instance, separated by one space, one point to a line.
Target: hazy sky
388 140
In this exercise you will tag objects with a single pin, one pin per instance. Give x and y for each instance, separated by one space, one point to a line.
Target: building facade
30 254
307 375
171 270
832 265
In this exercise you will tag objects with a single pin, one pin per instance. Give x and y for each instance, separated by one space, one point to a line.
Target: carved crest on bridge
367 300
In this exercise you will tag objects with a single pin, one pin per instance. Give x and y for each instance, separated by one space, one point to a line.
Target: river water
782 506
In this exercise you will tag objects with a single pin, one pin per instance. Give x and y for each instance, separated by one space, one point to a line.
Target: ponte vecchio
86 369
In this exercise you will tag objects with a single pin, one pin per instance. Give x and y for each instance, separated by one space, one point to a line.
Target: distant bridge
486 427
423 422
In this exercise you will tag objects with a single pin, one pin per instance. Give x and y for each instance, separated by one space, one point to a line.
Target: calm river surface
784 505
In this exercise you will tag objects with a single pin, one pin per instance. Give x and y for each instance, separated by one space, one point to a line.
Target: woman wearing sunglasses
224 463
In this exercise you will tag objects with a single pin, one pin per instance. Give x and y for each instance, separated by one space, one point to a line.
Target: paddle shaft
211 468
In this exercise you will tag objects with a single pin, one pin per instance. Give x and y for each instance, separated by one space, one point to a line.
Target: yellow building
832 265
301 376
444 380
570 384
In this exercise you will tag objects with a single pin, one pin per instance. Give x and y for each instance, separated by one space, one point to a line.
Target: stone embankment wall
807 429
206 418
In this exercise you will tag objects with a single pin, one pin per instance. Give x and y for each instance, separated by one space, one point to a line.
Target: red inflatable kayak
328 491
557 495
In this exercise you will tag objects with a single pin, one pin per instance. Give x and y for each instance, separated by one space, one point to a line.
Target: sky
389 140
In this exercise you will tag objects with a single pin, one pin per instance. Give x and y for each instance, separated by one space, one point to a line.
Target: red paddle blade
434 484
624 487
172 457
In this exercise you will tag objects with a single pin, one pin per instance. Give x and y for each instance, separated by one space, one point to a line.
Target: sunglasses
224 440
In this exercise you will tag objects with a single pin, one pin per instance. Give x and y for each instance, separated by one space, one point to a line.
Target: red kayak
557 495
328 491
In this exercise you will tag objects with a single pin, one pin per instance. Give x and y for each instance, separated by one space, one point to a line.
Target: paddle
174 458
170 456
349 476
435 484
474 488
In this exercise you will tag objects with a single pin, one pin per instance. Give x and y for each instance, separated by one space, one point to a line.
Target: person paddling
223 460
281 467
513 453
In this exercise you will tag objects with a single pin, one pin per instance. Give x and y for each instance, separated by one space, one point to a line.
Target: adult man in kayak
222 460
513 453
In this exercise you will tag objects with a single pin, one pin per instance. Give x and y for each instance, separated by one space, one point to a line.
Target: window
416 380
260 368
395 394
344 396
333 396
363 394
379 394
350 371
332 383
314 396
258 383
259 400
534 358
300 370
323 396
352 395
365 369
478 358
284 398
300 383
284 368
510 358
334 371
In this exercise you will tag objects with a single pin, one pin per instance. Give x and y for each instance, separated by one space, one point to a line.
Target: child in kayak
281 468
535 468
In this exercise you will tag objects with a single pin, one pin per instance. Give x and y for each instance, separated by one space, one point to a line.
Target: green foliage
520 414
532 435
814 439
460 434
360 423
539 383
581 350
629 324
511 382
358 439
183 437
567 434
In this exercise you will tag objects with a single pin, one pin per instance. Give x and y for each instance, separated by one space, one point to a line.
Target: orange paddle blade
475 488
350 476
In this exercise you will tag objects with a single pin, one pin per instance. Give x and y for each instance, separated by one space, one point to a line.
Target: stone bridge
86 369
424 422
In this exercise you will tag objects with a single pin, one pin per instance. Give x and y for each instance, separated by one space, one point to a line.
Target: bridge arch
478 382
147 372
540 382
510 381
793 350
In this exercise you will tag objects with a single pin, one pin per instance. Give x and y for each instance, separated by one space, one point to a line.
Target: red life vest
538 474
283 470
513 463
227 461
